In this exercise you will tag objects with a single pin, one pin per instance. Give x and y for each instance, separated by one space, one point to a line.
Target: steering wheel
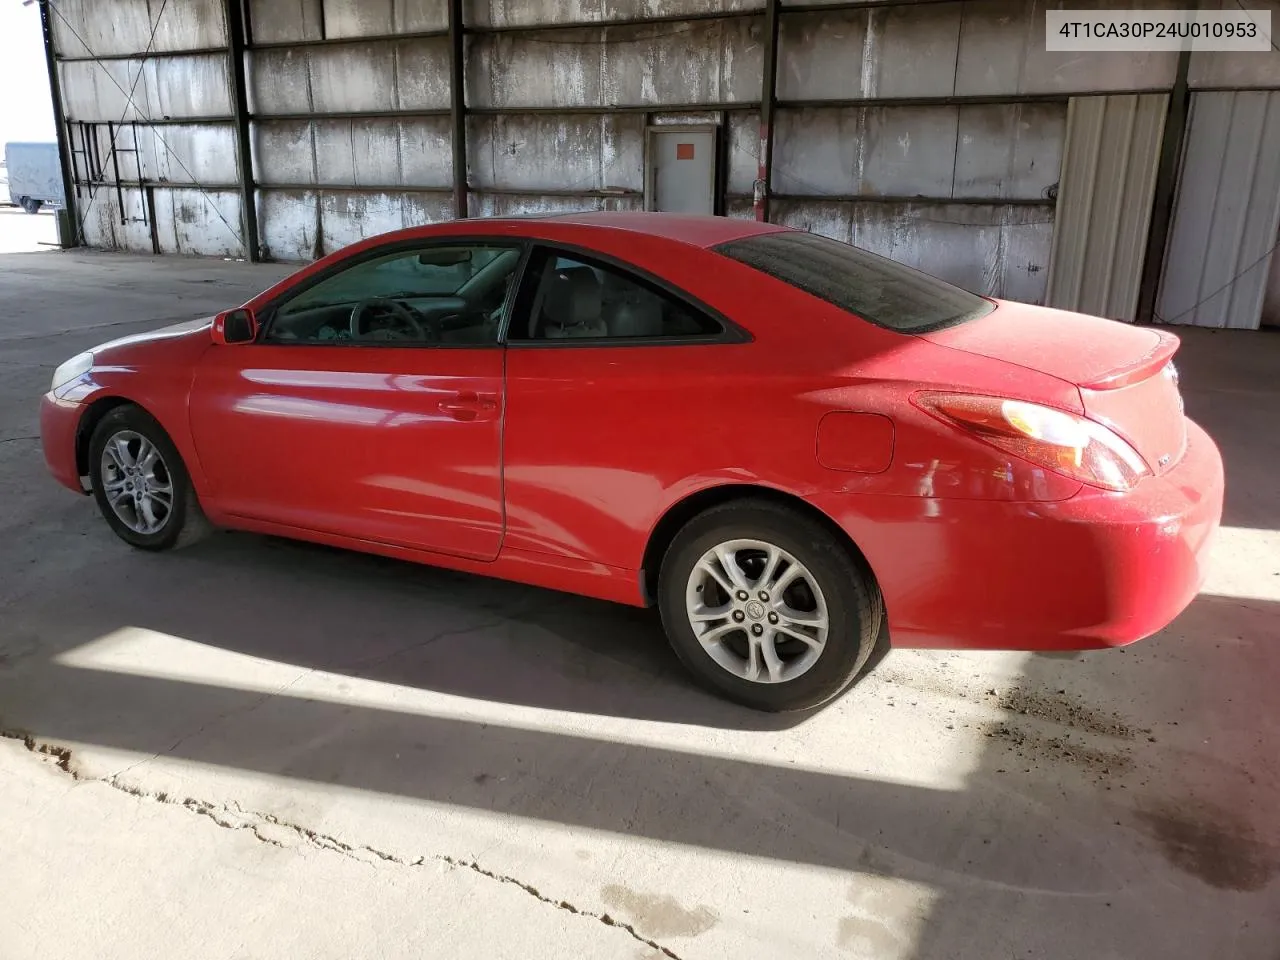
407 318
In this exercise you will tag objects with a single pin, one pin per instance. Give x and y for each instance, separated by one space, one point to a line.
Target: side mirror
234 326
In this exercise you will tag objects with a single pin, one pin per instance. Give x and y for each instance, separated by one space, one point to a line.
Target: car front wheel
767 607
140 482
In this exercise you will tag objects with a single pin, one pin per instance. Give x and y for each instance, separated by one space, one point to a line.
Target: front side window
879 290
582 299
438 294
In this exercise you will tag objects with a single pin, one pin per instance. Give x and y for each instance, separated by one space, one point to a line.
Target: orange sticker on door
684 151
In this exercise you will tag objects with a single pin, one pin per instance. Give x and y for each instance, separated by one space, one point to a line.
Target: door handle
468 405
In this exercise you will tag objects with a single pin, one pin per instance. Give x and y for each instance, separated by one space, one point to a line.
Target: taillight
1074 446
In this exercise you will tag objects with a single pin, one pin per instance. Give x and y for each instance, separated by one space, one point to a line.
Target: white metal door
1227 212
1104 203
681 174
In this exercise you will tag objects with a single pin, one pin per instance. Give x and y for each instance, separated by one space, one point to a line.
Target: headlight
77 366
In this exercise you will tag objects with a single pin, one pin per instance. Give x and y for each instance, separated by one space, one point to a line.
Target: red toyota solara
780 440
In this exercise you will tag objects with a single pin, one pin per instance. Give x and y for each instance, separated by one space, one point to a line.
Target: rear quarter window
875 288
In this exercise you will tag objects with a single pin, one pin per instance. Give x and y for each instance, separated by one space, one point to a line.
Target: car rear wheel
141 484
767 607
30 204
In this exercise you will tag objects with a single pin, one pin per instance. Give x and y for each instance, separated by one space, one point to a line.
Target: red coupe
781 440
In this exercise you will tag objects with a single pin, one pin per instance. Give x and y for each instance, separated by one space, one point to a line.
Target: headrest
573 296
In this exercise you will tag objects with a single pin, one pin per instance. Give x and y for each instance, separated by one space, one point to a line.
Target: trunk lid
1124 373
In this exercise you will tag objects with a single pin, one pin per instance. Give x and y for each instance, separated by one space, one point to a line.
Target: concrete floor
261 748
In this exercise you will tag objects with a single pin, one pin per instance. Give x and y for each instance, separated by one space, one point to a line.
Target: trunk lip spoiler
1149 363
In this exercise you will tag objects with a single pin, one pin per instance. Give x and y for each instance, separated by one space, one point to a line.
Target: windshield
879 290
398 276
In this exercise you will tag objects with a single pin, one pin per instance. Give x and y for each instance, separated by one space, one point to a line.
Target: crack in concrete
273 831
212 722
16 439
606 919
361 666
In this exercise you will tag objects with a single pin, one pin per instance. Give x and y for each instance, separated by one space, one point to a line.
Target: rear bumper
1099 569
59 421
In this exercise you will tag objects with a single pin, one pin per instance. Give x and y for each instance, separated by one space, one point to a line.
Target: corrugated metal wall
931 132
1108 184
1227 212
158 119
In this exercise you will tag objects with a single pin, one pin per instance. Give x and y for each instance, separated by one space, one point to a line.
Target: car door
616 387
370 403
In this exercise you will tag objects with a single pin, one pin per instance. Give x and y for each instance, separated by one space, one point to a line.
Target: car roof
701 231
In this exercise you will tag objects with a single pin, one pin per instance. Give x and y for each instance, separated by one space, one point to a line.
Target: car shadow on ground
379 619
1093 832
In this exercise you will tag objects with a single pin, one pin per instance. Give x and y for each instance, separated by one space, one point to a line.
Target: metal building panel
276 22
178 153
865 151
358 152
704 61
283 151
83 28
288 221
1108 181
426 157
197 86
307 224
998 251
481 204
1002 52
174 87
1227 212
900 51
523 13
352 76
421 73
1009 150
186 220
346 218
973 151
361 18
743 152
1239 71
278 81
202 223
536 152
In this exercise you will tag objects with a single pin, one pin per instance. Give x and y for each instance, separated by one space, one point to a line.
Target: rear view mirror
234 326
444 257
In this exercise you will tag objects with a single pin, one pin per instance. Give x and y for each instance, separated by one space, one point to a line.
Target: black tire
30 205
185 522
854 606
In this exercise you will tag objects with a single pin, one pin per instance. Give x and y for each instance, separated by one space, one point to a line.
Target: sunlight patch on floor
822 744
1245 563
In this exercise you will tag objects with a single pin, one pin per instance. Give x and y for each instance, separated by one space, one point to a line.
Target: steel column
60 125
768 104
458 108
239 36
1175 124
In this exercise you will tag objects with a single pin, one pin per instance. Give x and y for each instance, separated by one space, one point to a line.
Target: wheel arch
89 421
682 511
